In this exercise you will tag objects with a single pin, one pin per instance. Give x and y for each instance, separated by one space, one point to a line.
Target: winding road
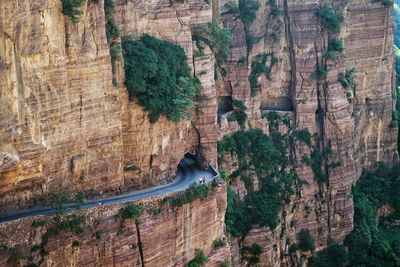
187 174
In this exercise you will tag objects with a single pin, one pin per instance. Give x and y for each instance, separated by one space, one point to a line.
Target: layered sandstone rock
65 127
356 129
163 237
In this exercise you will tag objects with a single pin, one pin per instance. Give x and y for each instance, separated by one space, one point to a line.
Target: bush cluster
217 37
61 201
386 3
251 253
262 64
195 191
306 242
130 211
331 19
220 242
347 78
336 45
239 113
275 10
268 157
157 73
375 241
248 10
199 260
335 255
71 8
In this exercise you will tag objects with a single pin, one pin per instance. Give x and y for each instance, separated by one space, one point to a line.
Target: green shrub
350 76
39 223
335 255
220 41
306 242
217 37
331 55
347 78
98 234
158 74
262 64
248 10
131 210
61 200
268 157
224 174
251 40
343 81
75 243
71 9
336 45
15 255
225 263
252 253
36 248
386 3
330 18
112 33
275 10
253 149
239 113
319 73
293 248
72 222
303 136
257 208
374 240
199 260
220 242
195 191
316 163
232 8
112 30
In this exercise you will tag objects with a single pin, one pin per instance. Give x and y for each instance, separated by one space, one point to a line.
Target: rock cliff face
355 127
64 126
163 236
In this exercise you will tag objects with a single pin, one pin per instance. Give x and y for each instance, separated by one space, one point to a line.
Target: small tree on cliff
71 9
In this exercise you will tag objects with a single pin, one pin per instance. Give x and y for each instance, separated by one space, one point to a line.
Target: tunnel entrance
189 159
224 104
190 155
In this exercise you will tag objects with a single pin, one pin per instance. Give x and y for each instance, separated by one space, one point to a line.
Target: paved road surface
187 174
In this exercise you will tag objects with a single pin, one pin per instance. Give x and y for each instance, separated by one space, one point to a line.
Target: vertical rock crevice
139 244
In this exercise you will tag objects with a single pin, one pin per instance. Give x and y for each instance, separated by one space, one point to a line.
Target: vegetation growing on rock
335 255
71 8
251 253
157 73
113 32
131 210
195 191
199 260
239 113
375 240
306 241
268 158
248 10
331 19
218 38
262 64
